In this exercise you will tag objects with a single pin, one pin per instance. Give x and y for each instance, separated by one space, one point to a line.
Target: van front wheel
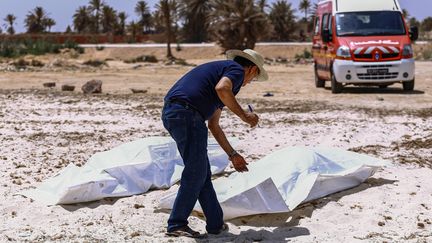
319 83
408 86
335 85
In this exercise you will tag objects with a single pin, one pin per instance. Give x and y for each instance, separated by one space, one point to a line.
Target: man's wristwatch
232 153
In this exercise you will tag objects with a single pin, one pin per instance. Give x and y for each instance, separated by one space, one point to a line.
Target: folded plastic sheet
131 168
284 179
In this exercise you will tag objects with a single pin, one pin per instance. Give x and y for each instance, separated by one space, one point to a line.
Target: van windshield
369 23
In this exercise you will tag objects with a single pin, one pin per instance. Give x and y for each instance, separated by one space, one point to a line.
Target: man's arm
237 160
224 91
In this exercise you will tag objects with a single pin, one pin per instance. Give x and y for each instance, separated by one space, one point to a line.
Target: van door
327 48
317 46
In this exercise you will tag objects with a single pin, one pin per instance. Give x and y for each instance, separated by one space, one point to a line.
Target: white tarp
284 179
128 169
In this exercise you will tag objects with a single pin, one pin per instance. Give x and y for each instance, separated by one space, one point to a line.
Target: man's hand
239 163
251 118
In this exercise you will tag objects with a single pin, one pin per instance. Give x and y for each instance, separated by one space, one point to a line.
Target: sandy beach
42 130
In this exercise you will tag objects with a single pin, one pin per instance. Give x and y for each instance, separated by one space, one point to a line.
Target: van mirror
413 33
325 35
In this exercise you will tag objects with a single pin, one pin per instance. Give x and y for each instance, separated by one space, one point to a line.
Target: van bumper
351 72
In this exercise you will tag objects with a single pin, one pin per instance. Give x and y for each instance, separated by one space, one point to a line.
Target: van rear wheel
408 86
335 85
319 83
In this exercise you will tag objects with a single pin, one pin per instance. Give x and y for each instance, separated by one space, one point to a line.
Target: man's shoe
221 230
185 231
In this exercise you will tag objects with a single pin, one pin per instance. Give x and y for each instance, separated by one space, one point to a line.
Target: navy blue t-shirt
197 87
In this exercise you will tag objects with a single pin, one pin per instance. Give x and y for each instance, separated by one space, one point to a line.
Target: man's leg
210 205
190 134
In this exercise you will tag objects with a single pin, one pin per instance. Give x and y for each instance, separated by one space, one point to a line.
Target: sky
62 10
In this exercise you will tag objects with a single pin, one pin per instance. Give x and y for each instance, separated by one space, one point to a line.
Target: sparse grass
423 52
37 63
178 61
427 54
22 63
144 58
95 63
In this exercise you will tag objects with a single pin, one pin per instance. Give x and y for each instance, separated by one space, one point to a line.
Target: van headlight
343 52
407 51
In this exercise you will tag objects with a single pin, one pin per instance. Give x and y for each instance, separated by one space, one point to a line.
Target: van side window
325 22
317 25
330 25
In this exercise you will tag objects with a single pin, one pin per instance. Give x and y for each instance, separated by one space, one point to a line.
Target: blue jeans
187 127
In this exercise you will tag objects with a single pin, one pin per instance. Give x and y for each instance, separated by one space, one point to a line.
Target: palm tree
304 6
143 11
311 18
426 24
238 24
134 28
10 19
121 28
195 14
262 4
95 7
314 9
283 19
175 16
109 19
82 19
68 29
36 20
49 23
165 10
405 14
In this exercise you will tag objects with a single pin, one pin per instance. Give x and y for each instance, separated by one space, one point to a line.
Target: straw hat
252 56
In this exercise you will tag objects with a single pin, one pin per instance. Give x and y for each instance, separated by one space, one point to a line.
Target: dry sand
42 130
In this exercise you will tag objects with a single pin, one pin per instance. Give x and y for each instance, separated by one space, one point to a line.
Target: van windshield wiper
383 33
352 34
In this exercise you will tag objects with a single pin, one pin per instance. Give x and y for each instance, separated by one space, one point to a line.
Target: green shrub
12 49
73 45
8 50
307 54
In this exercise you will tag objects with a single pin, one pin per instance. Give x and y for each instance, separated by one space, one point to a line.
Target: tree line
231 23
188 20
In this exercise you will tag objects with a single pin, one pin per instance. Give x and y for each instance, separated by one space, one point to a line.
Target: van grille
383 56
389 55
363 56
377 72
370 53
377 66
367 76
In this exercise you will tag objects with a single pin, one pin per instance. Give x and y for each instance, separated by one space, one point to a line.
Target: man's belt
185 105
